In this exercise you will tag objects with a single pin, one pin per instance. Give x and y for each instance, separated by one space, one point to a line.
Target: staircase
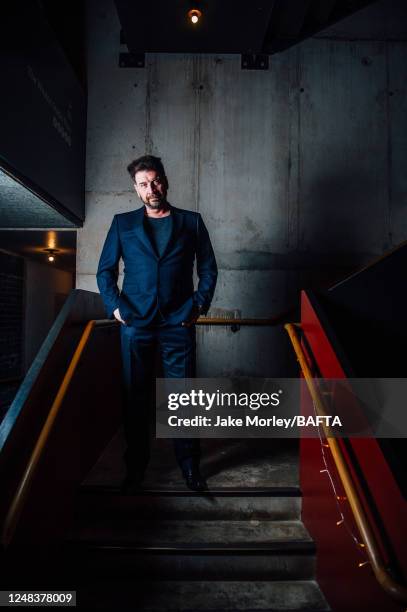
232 548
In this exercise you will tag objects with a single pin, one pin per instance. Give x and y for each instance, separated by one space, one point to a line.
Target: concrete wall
299 172
44 290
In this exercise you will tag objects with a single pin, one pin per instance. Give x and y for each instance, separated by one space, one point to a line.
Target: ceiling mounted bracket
132 60
253 61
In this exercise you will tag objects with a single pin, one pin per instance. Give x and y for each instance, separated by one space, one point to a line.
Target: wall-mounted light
51 254
194 15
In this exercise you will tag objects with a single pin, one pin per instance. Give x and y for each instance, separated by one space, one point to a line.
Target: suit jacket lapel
177 223
142 233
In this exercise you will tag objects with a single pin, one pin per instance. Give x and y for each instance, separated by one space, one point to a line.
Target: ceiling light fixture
194 15
51 254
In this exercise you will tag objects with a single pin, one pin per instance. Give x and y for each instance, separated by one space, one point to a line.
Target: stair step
190 549
296 562
275 491
280 503
225 463
264 596
171 533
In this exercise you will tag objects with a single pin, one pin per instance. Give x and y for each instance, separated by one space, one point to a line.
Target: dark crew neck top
160 232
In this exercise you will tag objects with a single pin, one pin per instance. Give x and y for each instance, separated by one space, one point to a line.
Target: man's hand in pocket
116 314
193 316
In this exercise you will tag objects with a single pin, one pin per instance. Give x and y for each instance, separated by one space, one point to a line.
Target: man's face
151 188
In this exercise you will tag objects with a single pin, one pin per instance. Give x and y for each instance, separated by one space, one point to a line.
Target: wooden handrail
242 322
393 588
278 319
22 491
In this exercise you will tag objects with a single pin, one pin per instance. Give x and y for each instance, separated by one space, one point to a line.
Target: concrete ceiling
227 26
20 207
31 244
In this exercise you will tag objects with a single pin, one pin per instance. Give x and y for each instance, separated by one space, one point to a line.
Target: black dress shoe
194 480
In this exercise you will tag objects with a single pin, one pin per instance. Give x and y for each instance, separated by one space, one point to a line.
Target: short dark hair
146 162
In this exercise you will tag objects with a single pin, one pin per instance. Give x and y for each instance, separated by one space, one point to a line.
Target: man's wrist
198 309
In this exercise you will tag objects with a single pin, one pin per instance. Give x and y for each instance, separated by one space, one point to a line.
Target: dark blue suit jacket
152 282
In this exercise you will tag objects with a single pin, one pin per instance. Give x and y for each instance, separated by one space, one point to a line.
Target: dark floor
225 463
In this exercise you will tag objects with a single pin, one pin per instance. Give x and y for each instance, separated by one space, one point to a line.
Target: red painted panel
347 586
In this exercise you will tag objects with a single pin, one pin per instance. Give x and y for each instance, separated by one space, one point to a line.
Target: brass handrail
21 493
249 322
277 320
393 588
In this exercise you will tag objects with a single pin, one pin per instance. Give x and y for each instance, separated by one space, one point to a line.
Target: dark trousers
177 349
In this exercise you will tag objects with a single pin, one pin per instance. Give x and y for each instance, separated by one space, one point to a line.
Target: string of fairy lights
339 498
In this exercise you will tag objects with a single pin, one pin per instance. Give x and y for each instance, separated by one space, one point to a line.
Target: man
157 306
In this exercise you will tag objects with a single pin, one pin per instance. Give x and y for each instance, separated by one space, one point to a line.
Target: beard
155 204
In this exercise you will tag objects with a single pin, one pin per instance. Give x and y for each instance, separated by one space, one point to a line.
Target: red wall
346 586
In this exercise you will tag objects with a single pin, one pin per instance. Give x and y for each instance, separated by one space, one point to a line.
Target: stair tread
179 506
225 463
213 595
173 532
274 491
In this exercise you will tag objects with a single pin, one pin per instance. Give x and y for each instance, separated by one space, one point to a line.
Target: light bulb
50 251
194 15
